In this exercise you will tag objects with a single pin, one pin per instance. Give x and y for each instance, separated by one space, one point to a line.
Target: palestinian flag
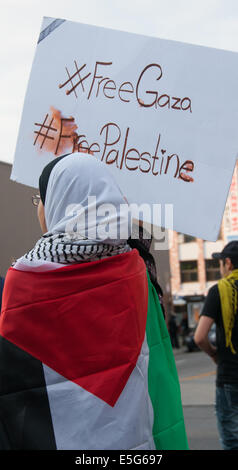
86 360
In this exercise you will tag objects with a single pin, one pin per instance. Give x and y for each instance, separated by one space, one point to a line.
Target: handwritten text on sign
57 134
55 129
97 83
160 114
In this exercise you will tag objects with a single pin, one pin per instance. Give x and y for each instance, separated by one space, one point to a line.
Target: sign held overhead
162 115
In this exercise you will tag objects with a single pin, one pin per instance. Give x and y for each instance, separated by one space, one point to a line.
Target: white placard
162 115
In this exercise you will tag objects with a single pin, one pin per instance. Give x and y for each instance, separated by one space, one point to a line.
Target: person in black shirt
221 307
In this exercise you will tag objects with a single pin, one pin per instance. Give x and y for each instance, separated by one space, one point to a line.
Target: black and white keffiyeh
58 248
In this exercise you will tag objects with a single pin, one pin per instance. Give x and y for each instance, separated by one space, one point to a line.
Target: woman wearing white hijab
82 212
85 356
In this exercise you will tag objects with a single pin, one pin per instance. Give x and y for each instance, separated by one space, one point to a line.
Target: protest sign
162 115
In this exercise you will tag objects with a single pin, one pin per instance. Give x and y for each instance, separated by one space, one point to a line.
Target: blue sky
212 23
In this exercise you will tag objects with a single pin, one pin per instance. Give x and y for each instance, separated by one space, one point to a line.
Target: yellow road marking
192 377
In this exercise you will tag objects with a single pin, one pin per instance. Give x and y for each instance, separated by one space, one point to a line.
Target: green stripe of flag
164 388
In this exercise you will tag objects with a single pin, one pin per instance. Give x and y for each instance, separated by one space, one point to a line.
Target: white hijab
84 202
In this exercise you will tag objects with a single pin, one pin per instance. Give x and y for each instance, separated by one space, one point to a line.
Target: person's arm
201 337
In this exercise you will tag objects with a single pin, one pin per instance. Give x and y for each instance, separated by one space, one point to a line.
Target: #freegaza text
100 85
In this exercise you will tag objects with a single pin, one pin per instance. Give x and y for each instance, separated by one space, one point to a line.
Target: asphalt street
197 374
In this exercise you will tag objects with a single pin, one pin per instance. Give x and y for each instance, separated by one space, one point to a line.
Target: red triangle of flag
85 321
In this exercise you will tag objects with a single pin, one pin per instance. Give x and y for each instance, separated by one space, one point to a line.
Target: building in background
19 227
193 270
